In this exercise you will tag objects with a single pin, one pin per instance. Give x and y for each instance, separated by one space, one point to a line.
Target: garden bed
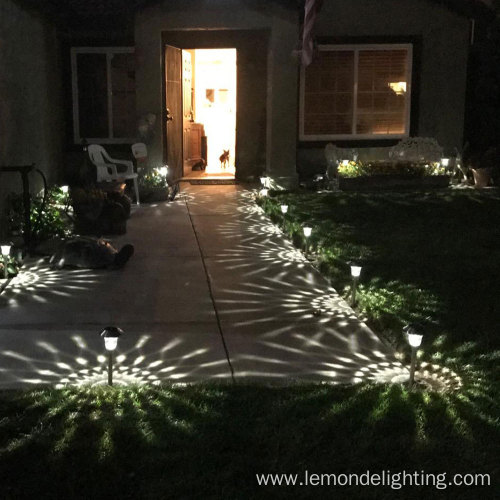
392 181
151 194
100 212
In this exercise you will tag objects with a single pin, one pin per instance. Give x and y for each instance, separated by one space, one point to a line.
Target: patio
213 292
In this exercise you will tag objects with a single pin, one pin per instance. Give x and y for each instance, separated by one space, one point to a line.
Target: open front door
173 112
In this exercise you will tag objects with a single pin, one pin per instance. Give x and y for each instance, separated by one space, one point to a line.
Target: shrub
359 169
153 179
12 267
48 219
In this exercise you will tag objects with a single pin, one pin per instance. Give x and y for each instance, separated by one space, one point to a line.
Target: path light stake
307 233
5 254
110 335
414 337
355 273
284 211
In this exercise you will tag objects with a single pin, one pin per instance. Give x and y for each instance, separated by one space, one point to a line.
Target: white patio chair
107 168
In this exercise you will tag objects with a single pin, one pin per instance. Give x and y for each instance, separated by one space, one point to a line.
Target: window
356 92
103 94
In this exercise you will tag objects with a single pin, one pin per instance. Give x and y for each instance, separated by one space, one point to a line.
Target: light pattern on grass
156 441
428 257
53 441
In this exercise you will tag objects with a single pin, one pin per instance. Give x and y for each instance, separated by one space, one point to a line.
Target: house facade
382 71
31 102
287 114
433 40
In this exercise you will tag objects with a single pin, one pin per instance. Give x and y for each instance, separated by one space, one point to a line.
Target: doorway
252 98
209 112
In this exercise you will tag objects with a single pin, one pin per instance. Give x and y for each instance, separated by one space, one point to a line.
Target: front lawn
210 441
432 258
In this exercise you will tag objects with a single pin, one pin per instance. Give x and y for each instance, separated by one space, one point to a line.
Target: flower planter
482 176
111 219
389 182
102 216
152 194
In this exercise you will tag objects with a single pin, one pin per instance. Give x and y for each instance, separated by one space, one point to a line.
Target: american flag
311 9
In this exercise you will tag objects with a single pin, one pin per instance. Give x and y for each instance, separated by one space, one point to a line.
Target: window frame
109 52
356 48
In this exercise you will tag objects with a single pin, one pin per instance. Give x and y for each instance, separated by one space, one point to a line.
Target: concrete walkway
213 291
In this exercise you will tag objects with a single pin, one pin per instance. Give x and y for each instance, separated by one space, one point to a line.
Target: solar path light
110 335
414 336
307 233
355 274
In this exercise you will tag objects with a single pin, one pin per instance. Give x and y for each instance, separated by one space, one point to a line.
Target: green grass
209 441
427 257
424 255
432 258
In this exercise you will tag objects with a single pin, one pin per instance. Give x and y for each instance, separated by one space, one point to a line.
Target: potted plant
97 212
482 176
153 185
488 165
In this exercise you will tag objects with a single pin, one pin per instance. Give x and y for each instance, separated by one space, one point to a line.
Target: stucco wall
444 41
269 102
30 97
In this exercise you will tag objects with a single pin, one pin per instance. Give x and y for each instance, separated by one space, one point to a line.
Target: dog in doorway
224 159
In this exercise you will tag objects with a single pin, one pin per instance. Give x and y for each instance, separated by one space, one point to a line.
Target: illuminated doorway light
215 105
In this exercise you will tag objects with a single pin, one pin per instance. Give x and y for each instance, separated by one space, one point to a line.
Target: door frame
182 47
193 38
164 112
164 107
